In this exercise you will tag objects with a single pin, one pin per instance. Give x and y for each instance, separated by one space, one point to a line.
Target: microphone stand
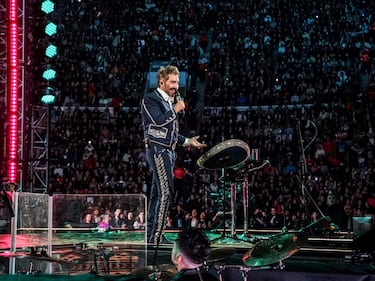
304 166
311 198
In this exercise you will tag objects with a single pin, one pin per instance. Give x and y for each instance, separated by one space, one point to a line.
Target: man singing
159 110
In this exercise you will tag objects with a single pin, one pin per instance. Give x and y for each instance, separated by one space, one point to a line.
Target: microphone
179 98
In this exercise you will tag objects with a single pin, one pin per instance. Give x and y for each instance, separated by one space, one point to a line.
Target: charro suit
161 135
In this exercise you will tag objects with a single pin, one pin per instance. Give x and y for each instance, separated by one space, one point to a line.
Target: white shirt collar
165 96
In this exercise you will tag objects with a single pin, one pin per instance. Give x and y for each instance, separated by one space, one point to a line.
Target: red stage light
13 97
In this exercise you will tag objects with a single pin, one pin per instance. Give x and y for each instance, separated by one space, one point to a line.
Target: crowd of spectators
293 79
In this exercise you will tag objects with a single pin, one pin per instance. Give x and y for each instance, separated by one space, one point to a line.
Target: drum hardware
243 269
245 200
241 172
224 156
154 272
231 238
241 179
104 254
219 271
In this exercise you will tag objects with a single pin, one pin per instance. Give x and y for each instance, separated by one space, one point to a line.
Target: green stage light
51 51
48 96
48 6
50 29
49 74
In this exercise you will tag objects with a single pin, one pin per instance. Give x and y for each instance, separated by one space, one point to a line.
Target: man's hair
164 71
194 244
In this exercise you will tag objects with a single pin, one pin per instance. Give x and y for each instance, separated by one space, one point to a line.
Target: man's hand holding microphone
180 104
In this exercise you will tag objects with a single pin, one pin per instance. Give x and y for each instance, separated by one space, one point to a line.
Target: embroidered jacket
160 123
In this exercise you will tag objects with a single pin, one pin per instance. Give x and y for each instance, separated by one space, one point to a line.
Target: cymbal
219 254
227 154
275 249
13 255
34 257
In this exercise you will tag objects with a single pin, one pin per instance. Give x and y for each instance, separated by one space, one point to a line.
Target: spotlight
48 96
48 6
49 74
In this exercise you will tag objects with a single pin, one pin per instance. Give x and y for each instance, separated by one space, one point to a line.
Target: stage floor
118 254
296 268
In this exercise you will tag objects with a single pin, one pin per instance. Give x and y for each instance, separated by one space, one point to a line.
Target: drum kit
230 157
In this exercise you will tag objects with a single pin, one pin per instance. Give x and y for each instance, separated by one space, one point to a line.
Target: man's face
171 85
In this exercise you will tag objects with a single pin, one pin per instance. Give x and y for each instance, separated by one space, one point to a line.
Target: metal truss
24 101
24 111
38 163
3 85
